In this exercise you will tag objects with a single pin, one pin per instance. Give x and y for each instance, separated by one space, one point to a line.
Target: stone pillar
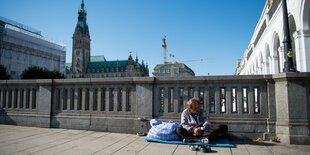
144 102
302 46
281 58
275 65
271 109
44 103
292 107
144 99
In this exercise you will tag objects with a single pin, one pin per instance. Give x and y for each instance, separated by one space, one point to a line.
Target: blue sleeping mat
219 143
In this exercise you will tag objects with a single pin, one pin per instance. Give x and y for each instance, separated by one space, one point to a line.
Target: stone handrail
252 106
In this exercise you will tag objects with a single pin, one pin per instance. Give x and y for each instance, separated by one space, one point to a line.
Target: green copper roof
108 64
101 63
99 58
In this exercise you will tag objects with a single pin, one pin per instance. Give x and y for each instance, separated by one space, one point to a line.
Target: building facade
265 54
173 70
22 47
85 66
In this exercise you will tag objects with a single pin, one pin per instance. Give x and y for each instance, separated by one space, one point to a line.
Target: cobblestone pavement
45 141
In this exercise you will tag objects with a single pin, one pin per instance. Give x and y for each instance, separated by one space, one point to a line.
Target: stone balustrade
251 106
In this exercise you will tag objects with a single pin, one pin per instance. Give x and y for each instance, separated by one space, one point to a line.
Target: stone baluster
206 99
228 100
124 101
83 96
166 91
75 103
115 99
196 92
99 100
29 90
217 100
251 99
175 100
186 97
91 99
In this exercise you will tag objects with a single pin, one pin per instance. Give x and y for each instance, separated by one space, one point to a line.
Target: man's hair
191 101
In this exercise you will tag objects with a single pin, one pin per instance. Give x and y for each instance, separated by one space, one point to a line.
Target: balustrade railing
251 106
18 98
99 99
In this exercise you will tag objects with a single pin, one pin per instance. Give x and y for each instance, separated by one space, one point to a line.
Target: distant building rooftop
173 70
19 25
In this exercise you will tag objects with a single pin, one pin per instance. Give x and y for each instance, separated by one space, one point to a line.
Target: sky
218 30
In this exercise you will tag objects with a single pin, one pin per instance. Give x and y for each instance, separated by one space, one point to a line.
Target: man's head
193 105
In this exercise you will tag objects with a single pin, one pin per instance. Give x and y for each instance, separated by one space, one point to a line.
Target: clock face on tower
77 53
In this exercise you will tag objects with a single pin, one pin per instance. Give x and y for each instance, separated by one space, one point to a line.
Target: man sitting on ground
194 121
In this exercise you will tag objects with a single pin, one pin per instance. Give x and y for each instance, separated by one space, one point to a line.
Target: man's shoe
194 147
205 140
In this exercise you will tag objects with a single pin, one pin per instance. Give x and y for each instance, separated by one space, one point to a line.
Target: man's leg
184 134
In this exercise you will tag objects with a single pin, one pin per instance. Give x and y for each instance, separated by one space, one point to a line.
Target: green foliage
3 73
274 139
35 72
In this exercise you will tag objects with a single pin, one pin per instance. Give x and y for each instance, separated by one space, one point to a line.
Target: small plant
274 139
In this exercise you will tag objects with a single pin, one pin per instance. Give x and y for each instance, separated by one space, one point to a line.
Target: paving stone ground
21 140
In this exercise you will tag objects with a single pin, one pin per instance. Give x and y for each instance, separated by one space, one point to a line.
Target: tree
35 72
3 73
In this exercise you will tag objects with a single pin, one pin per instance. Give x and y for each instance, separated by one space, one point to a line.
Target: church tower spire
81 45
82 5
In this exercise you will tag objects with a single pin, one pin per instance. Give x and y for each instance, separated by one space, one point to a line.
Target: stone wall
251 106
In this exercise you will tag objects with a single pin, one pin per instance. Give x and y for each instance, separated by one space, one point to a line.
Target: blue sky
216 29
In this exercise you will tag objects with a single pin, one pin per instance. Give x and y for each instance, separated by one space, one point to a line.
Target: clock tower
80 45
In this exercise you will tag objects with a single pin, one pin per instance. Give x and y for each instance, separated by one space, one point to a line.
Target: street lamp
287 42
